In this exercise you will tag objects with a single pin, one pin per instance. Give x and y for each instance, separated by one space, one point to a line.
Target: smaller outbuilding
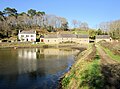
103 37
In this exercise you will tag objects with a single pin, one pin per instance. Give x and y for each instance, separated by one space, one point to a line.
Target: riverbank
94 69
112 49
42 45
85 73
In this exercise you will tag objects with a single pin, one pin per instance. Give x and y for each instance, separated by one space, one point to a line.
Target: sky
91 11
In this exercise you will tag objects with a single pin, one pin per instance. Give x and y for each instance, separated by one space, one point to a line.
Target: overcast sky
91 11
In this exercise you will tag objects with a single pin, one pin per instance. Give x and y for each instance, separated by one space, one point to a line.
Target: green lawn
82 32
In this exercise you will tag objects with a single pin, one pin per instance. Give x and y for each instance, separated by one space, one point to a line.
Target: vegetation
112 55
91 77
81 32
11 21
112 27
86 73
111 51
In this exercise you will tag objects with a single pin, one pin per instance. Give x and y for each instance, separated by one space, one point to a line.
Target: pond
34 68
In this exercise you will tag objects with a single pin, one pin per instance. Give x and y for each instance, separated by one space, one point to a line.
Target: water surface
34 68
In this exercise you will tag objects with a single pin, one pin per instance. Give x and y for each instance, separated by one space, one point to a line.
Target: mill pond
34 68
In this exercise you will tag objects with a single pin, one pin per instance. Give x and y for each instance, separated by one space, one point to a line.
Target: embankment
85 73
41 45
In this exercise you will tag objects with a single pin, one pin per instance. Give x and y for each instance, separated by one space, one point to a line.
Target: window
22 35
27 35
32 35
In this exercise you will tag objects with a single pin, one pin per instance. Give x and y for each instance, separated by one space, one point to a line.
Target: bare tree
75 23
84 26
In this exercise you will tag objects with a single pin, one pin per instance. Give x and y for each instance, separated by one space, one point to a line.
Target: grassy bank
41 45
111 49
85 73
21 45
111 54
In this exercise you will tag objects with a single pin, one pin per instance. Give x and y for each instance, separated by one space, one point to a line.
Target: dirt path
110 70
105 59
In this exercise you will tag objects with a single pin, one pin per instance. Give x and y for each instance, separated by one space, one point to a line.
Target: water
33 68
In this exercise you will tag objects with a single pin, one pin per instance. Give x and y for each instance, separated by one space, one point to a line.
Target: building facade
82 39
50 39
25 36
62 38
103 37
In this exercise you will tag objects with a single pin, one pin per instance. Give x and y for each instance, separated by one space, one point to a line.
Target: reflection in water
27 60
34 68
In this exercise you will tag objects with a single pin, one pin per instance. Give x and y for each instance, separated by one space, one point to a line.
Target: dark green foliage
50 29
65 26
10 11
99 32
31 12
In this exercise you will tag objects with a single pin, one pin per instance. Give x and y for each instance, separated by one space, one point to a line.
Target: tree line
112 27
11 21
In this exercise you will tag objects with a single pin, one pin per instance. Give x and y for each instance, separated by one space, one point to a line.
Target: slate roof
82 36
102 37
67 36
51 36
28 32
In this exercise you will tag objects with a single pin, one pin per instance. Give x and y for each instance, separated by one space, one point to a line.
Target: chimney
19 31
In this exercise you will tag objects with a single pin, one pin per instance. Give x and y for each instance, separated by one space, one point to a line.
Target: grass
81 32
84 75
21 44
111 54
91 77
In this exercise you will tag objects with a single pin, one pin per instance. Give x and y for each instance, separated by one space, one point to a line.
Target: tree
10 11
1 16
92 33
99 32
40 13
11 21
75 23
84 26
21 14
31 12
65 26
